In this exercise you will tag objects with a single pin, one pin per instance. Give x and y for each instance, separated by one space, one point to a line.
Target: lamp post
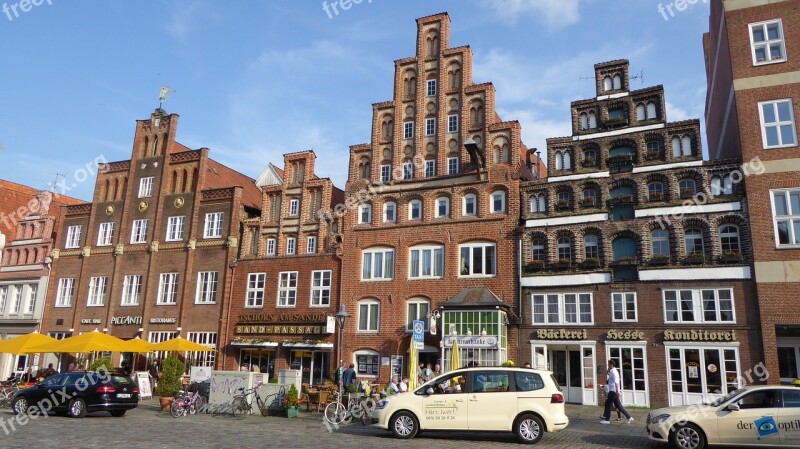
341 317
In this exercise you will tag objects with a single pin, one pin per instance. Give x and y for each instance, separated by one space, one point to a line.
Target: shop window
567 308
699 306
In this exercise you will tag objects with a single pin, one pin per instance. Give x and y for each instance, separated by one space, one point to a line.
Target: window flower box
627 260
562 205
656 196
589 162
659 260
694 259
563 264
687 193
588 202
621 200
730 257
591 262
651 155
534 266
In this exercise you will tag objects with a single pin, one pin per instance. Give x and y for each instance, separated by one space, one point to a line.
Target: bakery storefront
702 365
272 342
570 355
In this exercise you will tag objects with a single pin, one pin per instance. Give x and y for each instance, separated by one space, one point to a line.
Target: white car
766 415
525 401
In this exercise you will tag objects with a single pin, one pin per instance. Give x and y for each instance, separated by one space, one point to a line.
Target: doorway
566 367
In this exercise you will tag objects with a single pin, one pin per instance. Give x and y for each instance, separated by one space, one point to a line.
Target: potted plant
694 258
656 196
731 257
169 381
687 193
589 162
534 265
627 260
659 259
291 402
591 262
562 205
587 202
563 264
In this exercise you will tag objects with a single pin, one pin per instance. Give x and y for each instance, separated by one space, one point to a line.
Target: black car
78 393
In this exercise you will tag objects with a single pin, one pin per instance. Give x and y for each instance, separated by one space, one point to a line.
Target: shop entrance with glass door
312 364
566 366
573 366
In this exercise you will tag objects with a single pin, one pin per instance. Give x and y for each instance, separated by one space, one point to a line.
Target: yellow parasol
412 367
24 344
455 359
139 346
94 341
180 344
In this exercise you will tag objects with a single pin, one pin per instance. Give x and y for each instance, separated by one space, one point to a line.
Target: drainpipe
228 315
519 292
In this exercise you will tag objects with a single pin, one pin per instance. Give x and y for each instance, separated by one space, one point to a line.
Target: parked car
525 401
765 415
78 393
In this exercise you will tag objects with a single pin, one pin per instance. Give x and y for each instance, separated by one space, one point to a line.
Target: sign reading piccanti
484 342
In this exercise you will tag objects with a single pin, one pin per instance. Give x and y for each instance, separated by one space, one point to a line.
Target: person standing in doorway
614 389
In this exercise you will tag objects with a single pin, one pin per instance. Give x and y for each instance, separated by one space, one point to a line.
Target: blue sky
255 79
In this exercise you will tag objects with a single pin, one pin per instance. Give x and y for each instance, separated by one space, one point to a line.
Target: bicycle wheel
262 406
199 405
177 410
335 413
240 408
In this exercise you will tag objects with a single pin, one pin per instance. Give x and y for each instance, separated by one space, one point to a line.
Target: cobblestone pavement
146 427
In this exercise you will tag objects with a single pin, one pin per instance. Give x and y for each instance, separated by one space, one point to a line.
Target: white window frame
311 244
408 130
430 88
202 358
465 203
287 289
483 246
256 284
291 246
452 123
377 268
272 244
386 173
207 284
561 302
430 168
66 289
97 291
365 214
105 234
146 187
501 195
372 308
294 207
442 202
16 303
429 258
175 227
389 207
73 239
793 219
412 205
624 298
33 291
698 306
131 290
167 289
452 165
4 298
767 43
777 124
321 282
408 170
139 231
213 225
418 315
430 126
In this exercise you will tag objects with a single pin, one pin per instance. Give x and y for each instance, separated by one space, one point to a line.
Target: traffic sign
419 330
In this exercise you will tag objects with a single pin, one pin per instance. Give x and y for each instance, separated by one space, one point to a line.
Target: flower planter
587 203
687 194
533 267
694 260
659 261
290 412
656 197
590 263
730 258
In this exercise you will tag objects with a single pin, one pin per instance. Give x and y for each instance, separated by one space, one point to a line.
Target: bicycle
336 413
188 403
7 390
241 406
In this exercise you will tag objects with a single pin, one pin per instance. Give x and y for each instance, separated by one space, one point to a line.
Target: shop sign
483 342
561 334
311 318
126 320
282 329
91 321
163 320
698 335
615 334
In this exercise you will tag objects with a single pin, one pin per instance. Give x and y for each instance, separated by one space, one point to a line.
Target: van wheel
529 429
687 436
404 425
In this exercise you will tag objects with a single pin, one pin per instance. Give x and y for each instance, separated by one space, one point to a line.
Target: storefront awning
314 346
264 344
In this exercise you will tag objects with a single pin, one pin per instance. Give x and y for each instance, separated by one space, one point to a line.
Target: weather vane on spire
163 95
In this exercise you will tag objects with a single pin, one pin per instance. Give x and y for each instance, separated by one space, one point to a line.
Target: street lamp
341 317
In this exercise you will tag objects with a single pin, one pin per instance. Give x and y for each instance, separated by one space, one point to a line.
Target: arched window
498 202
469 205
727 185
729 240
591 246
592 120
538 250
651 110
564 249
365 214
687 187
442 207
563 200
559 161
567 156
659 241
589 197
536 202
693 241
655 191
676 146
584 120
415 210
389 212
641 112
686 146
589 158
653 149
617 82
607 83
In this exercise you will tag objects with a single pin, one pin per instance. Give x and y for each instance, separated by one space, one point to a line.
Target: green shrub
102 362
169 382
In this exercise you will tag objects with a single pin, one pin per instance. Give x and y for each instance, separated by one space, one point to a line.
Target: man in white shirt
404 385
614 390
393 386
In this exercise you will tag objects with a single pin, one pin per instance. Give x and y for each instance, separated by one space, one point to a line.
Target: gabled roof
271 176
221 176
475 297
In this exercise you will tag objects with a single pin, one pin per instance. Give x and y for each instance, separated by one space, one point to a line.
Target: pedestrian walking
613 390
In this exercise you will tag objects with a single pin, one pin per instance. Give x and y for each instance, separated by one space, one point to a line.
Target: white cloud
552 13
321 55
536 129
182 19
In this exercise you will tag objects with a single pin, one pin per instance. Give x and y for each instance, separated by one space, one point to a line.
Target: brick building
753 66
430 212
29 219
287 280
637 250
150 256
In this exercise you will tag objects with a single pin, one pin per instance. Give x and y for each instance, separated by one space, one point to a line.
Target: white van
525 401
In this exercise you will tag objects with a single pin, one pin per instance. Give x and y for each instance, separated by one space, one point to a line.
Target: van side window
528 381
490 381
791 398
